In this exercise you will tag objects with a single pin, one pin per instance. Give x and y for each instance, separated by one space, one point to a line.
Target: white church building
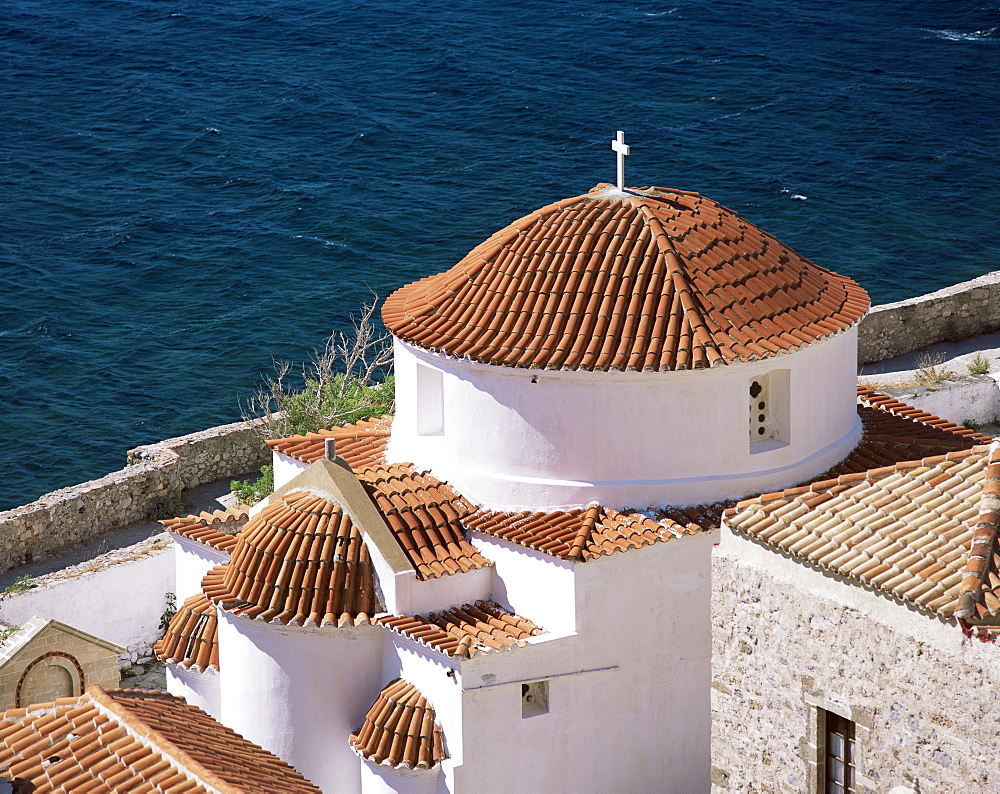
506 585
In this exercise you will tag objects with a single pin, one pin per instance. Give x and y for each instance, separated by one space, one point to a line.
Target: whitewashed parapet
948 315
154 475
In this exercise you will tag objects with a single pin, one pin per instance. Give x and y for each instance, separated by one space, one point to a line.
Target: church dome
643 279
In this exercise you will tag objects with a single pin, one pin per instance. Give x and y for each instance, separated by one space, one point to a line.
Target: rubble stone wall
148 487
927 708
948 315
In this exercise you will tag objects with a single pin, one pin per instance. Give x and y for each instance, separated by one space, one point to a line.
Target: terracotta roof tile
192 638
583 534
924 533
361 444
300 561
650 280
466 630
424 515
400 730
133 741
216 529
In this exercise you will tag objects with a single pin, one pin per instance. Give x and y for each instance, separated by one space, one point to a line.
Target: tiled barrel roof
424 515
216 529
361 444
134 741
906 529
580 534
192 638
400 730
649 279
300 561
466 630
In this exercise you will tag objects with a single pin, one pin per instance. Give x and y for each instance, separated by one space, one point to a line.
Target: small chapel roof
300 561
646 279
133 740
361 444
924 531
191 640
216 529
400 730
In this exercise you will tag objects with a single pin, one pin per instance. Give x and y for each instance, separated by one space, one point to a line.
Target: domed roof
643 279
301 561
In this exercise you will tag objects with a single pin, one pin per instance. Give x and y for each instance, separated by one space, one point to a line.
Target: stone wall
154 478
948 315
926 703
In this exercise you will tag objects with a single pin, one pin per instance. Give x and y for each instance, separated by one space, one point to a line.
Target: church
509 582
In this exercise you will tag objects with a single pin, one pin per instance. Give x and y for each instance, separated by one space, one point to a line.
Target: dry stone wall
927 716
154 476
948 315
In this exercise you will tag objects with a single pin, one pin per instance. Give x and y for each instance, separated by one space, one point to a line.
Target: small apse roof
643 279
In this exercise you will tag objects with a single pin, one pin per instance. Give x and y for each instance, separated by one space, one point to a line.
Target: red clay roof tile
400 730
216 529
361 444
300 561
466 630
588 282
131 741
192 638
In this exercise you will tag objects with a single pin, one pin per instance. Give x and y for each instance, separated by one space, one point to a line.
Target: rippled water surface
189 190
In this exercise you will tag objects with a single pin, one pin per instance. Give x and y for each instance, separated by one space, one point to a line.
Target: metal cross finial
618 144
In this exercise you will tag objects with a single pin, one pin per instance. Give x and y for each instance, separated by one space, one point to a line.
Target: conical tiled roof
400 730
301 561
646 279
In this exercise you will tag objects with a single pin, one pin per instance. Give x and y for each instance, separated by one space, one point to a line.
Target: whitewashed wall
191 562
517 439
301 692
122 603
200 689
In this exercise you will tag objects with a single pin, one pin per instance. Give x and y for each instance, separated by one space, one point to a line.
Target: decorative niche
769 410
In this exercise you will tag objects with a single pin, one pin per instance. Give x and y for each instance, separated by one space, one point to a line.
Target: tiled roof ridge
191 640
984 539
202 527
850 479
650 280
884 402
152 738
356 442
450 631
400 730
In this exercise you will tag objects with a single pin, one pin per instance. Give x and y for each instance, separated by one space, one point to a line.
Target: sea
191 192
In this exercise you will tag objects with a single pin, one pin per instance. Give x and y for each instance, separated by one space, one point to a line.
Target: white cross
618 145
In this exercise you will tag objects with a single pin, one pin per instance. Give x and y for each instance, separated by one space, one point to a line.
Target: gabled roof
923 531
300 561
134 741
400 730
647 279
361 444
580 534
192 638
216 529
424 515
36 626
466 630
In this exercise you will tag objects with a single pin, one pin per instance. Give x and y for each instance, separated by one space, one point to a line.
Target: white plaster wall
629 706
192 561
532 584
285 468
198 689
976 399
301 692
377 779
122 603
414 596
621 438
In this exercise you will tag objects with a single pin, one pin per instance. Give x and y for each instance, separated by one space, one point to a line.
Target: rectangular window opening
534 699
430 401
839 754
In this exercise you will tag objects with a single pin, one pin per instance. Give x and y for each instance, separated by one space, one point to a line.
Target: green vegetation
980 365
7 632
249 493
931 370
168 613
971 424
347 381
19 585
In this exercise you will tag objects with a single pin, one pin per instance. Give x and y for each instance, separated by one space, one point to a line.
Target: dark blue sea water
190 189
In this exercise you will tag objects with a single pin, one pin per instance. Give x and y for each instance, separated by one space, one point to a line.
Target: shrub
345 382
980 365
931 370
249 493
